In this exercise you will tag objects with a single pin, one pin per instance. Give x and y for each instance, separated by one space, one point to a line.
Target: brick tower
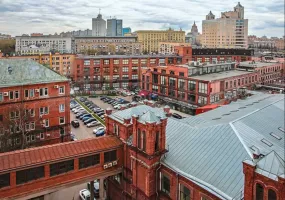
148 146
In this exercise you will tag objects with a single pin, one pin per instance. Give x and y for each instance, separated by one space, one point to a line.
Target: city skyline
24 17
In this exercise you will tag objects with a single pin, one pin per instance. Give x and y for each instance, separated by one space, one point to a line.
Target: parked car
98 129
101 113
80 114
73 138
89 121
76 108
102 97
82 99
79 110
95 188
85 194
100 133
75 123
177 116
118 106
85 115
93 124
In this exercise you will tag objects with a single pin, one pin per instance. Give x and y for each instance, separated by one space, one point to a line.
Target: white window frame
27 127
33 137
61 90
60 118
11 92
32 126
18 94
28 138
46 122
61 107
31 93
42 136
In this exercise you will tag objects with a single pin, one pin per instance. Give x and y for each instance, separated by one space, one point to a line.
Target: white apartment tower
98 26
228 31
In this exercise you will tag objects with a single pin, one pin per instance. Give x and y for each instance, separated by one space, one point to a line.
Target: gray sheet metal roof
149 117
26 72
220 75
209 148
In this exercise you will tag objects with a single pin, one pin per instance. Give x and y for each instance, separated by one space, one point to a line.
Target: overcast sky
266 17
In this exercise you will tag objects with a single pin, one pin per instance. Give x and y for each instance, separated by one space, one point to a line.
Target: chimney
166 109
108 111
256 154
145 102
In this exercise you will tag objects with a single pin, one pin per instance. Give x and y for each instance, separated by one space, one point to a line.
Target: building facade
187 87
269 72
98 26
156 165
107 45
5 36
229 31
150 38
34 105
114 27
127 30
191 36
29 45
167 48
114 71
61 63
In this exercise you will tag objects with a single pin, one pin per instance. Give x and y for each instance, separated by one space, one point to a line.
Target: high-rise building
191 36
126 30
114 27
98 26
229 31
150 38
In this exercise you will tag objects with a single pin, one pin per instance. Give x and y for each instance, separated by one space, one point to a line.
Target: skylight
267 142
234 111
216 118
276 136
226 114
241 107
281 129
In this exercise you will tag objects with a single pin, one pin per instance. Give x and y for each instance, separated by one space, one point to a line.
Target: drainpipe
177 187
156 177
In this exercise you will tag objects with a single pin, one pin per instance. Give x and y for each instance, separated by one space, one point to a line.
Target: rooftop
221 75
219 140
51 153
257 64
26 72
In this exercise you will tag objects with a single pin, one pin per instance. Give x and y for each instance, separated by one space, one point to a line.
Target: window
61 90
165 184
43 92
106 62
11 95
203 88
116 62
1 96
61 107
4 180
61 120
259 192
32 112
125 61
89 161
61 167
46 123
42 135
184 193
26 93
32 126
117 178
28 175
32 92
116 129
33 138
272 195
44 110
192 85
156 144
28 138
16 94
110 156
86 62
125 69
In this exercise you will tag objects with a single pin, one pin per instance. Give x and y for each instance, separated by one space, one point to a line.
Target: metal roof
149 117
26 72
209 148
51 153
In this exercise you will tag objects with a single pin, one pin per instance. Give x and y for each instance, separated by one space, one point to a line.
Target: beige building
150 38
106 45
167 48
228 31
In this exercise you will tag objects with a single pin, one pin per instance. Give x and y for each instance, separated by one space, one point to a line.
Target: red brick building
34 105
232 152
186 87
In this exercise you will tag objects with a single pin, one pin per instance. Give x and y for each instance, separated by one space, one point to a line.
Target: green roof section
16 72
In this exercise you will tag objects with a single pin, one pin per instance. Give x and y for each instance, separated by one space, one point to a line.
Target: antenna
99 10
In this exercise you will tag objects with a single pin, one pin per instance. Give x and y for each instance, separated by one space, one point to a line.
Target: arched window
271 195
259 193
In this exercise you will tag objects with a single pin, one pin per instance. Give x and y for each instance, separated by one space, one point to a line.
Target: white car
74 109
101 128
79 110
117 106
92 124
129 94
85 194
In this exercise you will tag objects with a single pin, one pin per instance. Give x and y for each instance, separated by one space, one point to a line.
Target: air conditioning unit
6 94
110 164
105 166
48 135
37 90
41 116
115 163
38 137
55 86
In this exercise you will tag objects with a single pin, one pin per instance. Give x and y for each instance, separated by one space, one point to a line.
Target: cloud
27 16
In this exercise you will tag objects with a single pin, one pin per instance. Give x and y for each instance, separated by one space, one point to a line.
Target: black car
100 114
102 97
75 123
177 116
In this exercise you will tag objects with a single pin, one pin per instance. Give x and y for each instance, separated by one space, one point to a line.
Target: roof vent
241 107
249 104
10 70
217 118
226 114
267 142
234 111
256 102
276 136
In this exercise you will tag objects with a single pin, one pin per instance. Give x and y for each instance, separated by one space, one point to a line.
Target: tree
7 46
19 122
